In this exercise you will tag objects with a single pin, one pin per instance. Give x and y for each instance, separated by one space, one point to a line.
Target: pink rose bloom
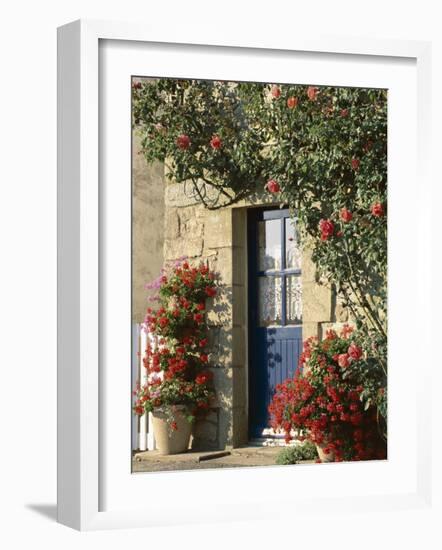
354 351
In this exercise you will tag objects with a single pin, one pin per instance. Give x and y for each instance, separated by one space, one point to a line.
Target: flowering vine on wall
320 150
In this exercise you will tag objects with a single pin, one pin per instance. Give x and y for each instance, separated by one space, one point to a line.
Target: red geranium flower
210 291
343 360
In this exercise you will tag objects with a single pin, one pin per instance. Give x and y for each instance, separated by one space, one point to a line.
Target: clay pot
330 457
168 441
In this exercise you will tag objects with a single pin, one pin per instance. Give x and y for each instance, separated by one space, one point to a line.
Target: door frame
254 215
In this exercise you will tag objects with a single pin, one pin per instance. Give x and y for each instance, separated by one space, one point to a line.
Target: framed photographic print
234 280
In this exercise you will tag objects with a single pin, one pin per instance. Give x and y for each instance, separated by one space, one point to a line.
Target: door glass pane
269 245
292 248
294 299
269 298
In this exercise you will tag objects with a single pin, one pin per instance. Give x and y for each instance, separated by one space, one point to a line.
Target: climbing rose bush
320 150
177 366
333 399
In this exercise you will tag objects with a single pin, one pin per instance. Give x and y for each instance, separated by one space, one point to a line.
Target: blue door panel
273 350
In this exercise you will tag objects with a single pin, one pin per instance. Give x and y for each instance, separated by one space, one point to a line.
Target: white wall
28 221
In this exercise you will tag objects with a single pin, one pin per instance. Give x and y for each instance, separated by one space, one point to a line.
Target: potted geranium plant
178 387
334 400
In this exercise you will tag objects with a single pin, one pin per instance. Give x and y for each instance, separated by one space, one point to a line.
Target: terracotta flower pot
325 457
169 441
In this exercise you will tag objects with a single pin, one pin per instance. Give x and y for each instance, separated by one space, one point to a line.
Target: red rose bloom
344 113
203 343
183 141
377 210
343 360
204 357
355 163
216 142
272 186
200 307
354 351
327 229
292 102
210 291
345 215
312 92
276 92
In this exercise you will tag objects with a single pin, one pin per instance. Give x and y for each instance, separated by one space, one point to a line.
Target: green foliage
297 453
325 148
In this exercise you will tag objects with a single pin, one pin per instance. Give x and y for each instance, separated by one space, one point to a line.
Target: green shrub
297 453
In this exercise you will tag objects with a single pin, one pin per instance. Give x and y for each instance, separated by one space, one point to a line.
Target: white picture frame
80 438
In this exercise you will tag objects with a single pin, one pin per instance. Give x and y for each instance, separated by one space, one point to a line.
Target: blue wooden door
275 308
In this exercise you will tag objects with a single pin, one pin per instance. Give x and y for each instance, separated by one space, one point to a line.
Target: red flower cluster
322 403
272 186
327 228
377 210
292 102
355 163
312 92
177 365
216 142
345 215
276 92
183 142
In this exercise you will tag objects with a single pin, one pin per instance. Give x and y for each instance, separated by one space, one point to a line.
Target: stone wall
148 207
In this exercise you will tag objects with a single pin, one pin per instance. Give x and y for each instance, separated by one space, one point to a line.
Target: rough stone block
219 308
206 431
177 248
190 224
308 267
310 329
218 230
178 194
221 263
316 303
220 342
